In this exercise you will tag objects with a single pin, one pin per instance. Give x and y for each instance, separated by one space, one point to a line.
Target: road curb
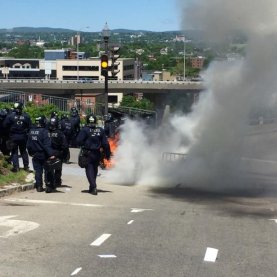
17 188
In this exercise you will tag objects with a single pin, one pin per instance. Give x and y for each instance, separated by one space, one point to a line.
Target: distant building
20 68
60 64
197 62
163 76
164 51
52 55
90 69
40 43
75 40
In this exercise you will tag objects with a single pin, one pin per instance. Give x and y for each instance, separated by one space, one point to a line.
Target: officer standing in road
75 121
18 123
39 147
60 147
67 129
92 138
109 125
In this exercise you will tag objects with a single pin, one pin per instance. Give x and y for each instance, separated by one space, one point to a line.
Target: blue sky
152 15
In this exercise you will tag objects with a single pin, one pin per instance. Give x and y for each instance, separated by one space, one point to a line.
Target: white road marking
130 222
76 271
50 202
211 254
258 160
100 240
17 226
274 219
136 210
107 256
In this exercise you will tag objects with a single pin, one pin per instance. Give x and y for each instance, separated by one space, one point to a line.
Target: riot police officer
92 138
75 121
4 133
39 147
52 115
18 123
67 129
60 147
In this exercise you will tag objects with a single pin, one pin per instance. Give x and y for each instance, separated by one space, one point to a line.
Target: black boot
27 169
48 190
39 189
93 191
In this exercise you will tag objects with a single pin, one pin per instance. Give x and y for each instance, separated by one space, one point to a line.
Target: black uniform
92 139
18 123
109 126
67 129
75 122
4 133
60 147
39 147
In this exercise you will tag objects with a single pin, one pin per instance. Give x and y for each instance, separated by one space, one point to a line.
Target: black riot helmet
54 123
64 116
74 111
108 117
18 107
40 121
3 113
91 120
54 114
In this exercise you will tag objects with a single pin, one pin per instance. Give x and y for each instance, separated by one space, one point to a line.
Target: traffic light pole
106 95
106 35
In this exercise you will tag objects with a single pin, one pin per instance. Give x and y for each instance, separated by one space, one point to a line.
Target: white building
72 69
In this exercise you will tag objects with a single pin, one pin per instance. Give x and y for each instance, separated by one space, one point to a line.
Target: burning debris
113 141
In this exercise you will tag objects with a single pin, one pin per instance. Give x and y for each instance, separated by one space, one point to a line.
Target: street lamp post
106 33
77 54
78 40
184 58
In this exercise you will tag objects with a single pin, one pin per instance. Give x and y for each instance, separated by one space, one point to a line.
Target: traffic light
114 56
104 64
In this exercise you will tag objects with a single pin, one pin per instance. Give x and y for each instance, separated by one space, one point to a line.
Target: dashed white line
107 256
130 222
100 240
136 210
211 254
76 271
50 202
274 219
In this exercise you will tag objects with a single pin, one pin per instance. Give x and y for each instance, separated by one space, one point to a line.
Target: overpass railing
56 81
11 96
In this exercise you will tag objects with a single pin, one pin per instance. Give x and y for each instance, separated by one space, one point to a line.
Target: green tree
26 51
131 102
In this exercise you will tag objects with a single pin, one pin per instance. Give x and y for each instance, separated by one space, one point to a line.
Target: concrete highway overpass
72 87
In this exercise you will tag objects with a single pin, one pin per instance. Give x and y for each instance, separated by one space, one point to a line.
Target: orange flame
113 145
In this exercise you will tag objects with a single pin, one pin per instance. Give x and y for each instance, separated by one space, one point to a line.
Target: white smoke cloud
218 17
212 135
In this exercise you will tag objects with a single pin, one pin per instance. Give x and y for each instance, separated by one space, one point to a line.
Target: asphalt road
144 231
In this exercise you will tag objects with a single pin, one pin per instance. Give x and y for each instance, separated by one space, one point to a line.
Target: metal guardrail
172 157
63 104
56 81
11 96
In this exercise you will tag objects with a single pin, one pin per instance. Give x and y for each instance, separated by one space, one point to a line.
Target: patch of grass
7 176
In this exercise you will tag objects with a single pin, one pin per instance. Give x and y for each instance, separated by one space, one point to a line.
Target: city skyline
91 16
